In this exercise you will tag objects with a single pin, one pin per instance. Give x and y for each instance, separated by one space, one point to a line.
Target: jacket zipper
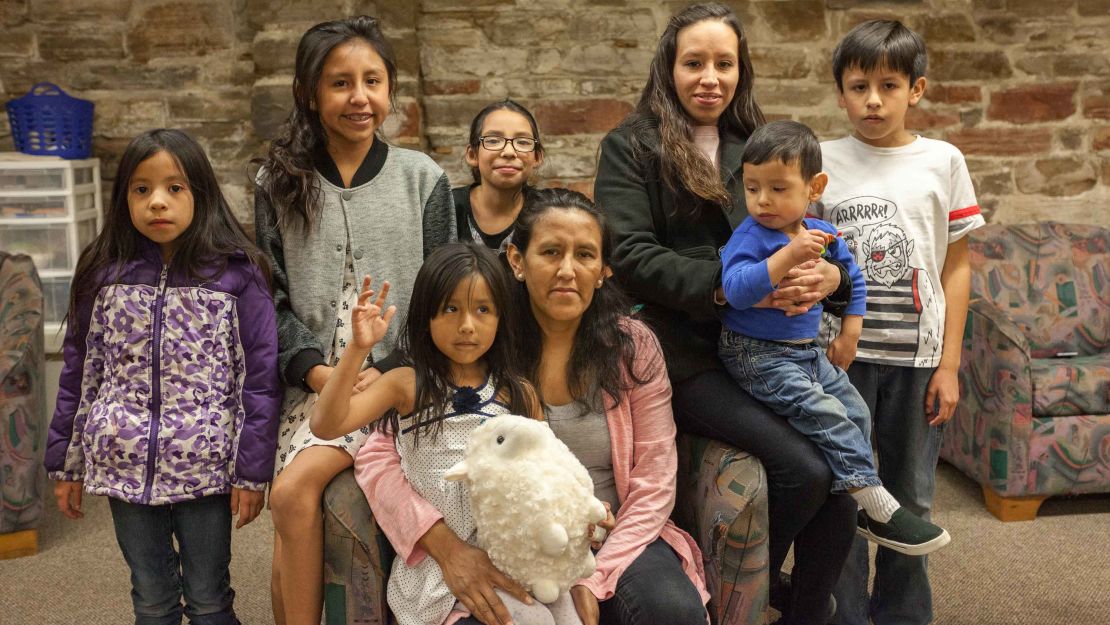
155 386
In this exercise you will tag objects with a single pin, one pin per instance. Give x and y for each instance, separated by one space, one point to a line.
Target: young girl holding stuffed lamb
461 372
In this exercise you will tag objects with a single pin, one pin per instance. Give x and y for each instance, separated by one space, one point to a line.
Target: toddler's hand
68 495
370 319
247 504
808 245
606 526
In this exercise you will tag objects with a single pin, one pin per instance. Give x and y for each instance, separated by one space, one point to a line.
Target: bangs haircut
879 44
442 272
786 141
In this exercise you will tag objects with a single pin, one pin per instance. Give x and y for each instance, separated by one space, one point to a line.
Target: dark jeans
906 449
653 590
802 512
160 574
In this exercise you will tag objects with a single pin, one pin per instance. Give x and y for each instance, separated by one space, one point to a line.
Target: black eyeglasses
495 143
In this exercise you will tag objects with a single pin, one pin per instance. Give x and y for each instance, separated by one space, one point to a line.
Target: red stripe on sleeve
963 212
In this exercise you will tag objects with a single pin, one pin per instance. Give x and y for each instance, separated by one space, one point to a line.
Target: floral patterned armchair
1034 416
22 405
722 502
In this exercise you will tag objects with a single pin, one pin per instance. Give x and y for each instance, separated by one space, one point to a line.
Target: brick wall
1021 86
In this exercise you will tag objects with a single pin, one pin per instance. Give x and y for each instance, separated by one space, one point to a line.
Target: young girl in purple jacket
169 394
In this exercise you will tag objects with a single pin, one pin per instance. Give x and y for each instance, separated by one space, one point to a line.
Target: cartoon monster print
886 261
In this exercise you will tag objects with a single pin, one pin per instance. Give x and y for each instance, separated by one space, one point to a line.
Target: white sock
877 502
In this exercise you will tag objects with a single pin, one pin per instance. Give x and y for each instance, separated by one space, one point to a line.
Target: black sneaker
905 533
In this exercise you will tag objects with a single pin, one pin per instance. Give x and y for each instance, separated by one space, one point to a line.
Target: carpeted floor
1052 570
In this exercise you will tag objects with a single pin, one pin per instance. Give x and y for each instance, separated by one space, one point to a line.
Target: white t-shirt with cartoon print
898 209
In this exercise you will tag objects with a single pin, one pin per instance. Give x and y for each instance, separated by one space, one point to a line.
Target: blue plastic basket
47 122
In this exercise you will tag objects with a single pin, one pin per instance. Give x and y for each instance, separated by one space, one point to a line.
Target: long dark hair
480 119
604 351
682 164
202 250
442 272
288 175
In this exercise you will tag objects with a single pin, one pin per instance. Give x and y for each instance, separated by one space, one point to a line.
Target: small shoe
905 533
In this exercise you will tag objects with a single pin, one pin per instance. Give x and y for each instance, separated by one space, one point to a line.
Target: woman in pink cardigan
606 395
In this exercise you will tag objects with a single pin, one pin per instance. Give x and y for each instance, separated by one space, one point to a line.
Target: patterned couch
1034 418
722 502
22 405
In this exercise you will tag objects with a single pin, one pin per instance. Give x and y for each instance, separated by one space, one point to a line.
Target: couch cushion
1064 387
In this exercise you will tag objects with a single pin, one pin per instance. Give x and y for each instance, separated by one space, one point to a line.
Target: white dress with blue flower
417 594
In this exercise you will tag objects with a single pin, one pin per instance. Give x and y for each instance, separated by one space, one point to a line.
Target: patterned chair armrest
722 503
23 419
1000 328
357 557
988 437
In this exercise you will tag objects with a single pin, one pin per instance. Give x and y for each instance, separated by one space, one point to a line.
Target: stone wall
1021 86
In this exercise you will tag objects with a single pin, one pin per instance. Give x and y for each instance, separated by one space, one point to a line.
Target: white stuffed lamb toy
532 501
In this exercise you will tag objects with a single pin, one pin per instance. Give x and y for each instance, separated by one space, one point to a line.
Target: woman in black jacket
669 178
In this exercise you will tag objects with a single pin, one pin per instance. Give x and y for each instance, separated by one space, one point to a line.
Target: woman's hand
585 603
804 285
608 524
68 495
370 319
470 575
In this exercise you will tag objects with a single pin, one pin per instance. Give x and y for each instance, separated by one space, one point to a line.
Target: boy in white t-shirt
905 205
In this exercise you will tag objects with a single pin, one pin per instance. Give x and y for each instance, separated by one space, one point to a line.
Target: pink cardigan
645 461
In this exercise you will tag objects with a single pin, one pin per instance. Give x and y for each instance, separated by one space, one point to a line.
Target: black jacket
666 256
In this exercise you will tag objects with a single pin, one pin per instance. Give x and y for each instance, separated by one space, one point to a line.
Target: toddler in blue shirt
775 357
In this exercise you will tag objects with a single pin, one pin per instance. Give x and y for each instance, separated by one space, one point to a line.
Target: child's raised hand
68 495
247 504
807 245
370 319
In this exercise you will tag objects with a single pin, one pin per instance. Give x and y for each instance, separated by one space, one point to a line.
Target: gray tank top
586 433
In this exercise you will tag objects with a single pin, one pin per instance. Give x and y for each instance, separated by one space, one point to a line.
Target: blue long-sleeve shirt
746 281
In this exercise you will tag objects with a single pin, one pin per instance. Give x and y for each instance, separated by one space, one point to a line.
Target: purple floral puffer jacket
169 390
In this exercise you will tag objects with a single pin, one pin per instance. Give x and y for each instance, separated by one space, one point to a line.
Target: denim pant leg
906 448
789 379
145 536
801 511
203 530
654 590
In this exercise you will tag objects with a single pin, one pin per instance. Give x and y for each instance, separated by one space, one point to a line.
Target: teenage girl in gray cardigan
334 203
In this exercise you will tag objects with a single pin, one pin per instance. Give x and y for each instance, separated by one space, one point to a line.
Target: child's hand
942 395
842 351
808 245
370 319
608 524
246 504
68 495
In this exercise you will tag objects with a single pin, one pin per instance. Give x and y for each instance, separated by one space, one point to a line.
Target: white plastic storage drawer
48 244
41 178
55 296
45 179
34 206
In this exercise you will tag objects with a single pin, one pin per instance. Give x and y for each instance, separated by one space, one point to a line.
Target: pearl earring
520 276
599 283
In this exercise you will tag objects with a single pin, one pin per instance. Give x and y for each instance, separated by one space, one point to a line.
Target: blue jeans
906 447
160 574
653 590
799 383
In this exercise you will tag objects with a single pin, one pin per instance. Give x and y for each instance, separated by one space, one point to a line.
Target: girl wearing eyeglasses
503 152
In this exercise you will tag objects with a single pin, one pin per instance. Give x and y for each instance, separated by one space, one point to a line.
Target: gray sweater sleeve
439 217
298 349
